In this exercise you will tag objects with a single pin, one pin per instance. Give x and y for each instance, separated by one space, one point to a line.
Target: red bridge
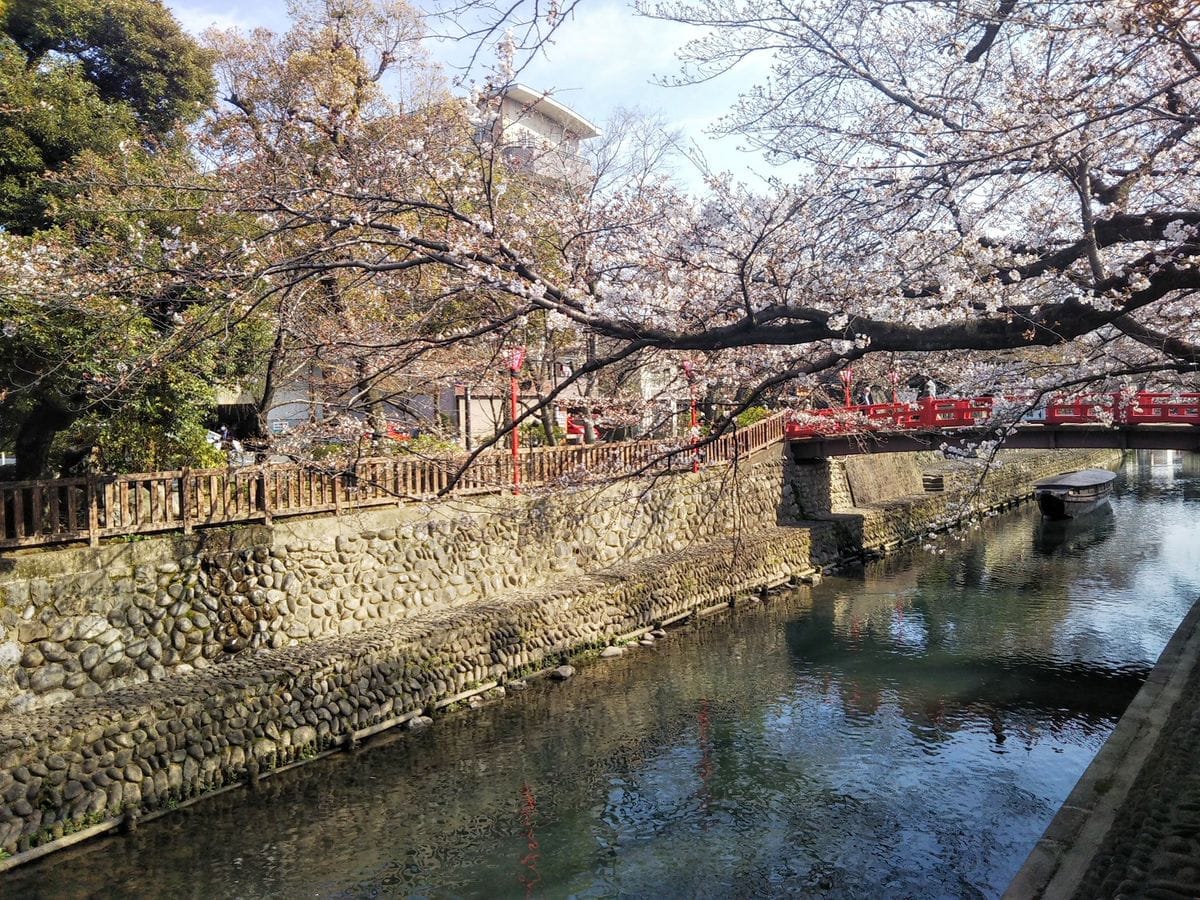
1146 420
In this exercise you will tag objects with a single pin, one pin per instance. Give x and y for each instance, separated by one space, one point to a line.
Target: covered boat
1073 493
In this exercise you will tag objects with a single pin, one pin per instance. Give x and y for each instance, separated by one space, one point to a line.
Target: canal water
907 730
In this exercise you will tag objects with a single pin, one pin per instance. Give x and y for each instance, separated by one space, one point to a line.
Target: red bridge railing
931 413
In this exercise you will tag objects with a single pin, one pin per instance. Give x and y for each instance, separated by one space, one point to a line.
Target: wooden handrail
53 511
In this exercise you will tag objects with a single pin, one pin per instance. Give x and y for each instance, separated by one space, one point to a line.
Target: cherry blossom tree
988 192
975 176
1008 175
973 180
305 115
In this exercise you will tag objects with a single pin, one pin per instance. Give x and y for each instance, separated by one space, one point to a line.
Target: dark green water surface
904 731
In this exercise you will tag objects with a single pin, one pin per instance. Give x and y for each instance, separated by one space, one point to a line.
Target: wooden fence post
93 510
185 499
264 498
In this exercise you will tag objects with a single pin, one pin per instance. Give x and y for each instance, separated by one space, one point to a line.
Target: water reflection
1073 536
908 729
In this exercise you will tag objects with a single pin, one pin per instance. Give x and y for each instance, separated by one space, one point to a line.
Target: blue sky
602 59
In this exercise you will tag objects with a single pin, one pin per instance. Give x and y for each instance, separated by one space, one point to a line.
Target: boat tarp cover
1082 478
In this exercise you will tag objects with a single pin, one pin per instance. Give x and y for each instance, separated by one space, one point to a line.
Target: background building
540 136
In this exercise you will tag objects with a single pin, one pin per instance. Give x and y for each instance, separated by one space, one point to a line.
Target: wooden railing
742 442
59 510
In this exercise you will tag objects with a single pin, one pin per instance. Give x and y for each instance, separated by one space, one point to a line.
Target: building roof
542 102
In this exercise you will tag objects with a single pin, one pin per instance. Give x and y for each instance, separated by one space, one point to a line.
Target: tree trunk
468 438
270 384
708 406
36 435
376 409
591 383
547 416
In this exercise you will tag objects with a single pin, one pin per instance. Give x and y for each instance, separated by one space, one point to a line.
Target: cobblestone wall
158 743
149 741
77 622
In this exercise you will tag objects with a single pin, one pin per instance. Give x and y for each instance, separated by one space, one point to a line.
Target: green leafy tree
163 427
94 92
48 116
87 75
133 51
124 364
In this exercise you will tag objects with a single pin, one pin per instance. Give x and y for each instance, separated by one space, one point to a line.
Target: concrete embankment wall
161 737
853 493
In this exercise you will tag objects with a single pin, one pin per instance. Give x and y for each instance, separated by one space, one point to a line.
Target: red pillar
693 428
516 357
847 377
516 436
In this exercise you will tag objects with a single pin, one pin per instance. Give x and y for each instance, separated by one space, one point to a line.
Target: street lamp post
516 357
689 372
847 377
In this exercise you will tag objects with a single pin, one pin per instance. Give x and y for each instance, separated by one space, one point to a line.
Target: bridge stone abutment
875 503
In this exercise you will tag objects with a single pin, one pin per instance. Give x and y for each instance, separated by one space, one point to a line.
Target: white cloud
611 44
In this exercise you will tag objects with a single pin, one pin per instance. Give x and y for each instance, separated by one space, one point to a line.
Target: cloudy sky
603 59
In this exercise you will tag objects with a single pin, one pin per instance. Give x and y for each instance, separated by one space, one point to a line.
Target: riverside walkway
1131 826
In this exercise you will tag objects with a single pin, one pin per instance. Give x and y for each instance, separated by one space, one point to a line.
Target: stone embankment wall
81 621
148 739
159 743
